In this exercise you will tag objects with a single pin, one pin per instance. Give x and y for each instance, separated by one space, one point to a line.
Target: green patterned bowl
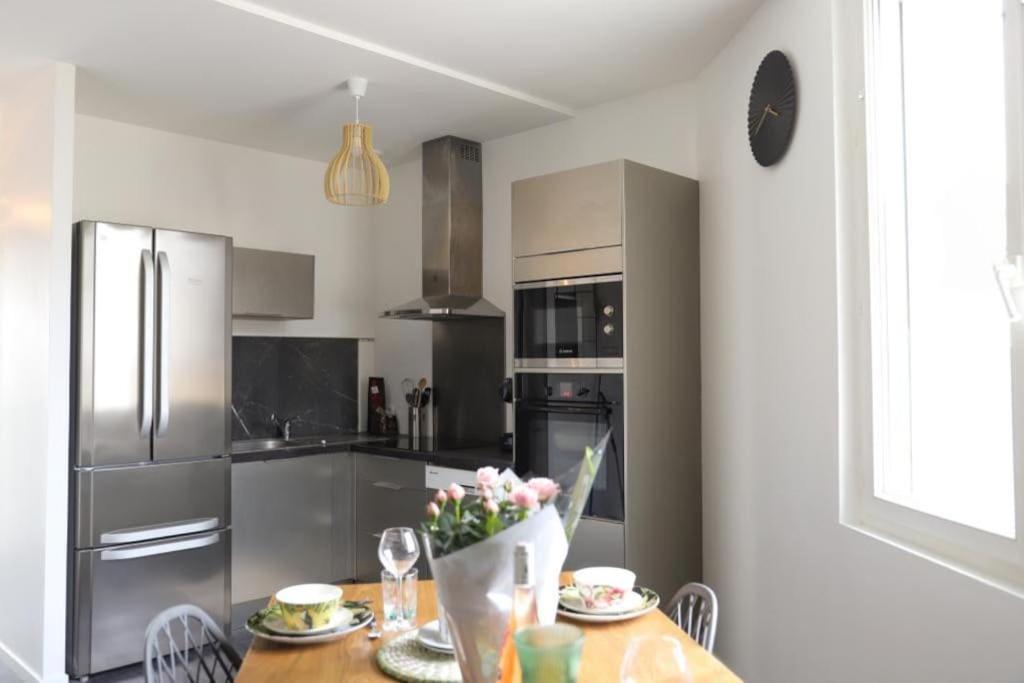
308 605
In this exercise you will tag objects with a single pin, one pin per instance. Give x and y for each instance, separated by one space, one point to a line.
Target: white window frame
993 559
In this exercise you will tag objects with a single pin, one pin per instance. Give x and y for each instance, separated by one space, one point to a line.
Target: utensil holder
416 415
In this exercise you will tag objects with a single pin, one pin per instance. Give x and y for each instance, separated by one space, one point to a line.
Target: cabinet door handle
388 485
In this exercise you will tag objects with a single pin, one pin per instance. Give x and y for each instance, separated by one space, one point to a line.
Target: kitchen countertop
458 455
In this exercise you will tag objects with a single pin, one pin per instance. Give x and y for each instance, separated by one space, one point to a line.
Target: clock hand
771 111
761 122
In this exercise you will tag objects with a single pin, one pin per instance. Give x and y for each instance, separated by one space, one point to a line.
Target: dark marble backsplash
314 380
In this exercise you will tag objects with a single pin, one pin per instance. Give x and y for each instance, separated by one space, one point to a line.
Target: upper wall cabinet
568 211
272 284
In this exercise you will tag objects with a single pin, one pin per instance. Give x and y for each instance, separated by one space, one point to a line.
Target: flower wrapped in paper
470 545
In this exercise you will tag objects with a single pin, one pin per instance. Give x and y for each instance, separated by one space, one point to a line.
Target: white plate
570 612
631 602
338 619
317 638
429 636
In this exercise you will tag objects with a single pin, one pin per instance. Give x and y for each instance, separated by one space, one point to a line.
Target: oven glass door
568 323
557 417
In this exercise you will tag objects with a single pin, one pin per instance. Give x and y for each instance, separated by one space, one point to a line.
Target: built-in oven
571 323
557 416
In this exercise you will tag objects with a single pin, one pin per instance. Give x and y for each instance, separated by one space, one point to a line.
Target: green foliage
461 524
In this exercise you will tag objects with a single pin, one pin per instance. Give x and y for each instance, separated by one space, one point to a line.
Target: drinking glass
398 552
549 654
399 598
654 659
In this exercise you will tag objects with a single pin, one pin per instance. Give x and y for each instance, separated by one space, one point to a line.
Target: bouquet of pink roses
455 522
470 541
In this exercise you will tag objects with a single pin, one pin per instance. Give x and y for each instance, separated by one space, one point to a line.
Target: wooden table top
353 657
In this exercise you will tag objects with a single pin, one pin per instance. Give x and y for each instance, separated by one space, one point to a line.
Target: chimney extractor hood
452 236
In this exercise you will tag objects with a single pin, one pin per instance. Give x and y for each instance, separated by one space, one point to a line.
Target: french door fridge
150 465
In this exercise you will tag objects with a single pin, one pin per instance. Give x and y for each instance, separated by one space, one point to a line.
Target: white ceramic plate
324 637
649 603
429 636
338 619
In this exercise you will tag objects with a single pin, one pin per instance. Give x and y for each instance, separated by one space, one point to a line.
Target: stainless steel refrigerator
150 465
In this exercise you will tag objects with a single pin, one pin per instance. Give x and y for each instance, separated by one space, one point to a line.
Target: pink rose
525 497
456 492
545 488
433 511
490 507
440 497
487 477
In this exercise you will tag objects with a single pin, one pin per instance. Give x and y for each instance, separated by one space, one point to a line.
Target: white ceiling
267 75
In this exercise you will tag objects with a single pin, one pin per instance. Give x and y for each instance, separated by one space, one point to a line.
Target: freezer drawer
118 590
146 502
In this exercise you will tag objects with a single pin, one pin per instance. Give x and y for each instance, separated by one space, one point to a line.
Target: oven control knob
609 328
609 310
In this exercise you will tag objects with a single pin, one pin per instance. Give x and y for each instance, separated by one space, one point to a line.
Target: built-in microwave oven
571 323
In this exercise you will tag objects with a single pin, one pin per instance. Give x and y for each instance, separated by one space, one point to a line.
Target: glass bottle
524 610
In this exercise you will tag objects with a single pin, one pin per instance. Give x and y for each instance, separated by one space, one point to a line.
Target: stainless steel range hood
452 236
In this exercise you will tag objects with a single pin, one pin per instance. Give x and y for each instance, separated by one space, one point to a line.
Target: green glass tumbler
549 654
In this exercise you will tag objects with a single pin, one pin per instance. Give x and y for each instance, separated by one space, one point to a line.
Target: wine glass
398 552
655 659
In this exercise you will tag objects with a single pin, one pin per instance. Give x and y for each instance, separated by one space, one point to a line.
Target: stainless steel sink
251 445
256 445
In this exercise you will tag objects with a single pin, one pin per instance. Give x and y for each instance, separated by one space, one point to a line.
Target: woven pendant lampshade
356 176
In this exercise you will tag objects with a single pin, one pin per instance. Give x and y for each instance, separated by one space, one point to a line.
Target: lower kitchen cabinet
388 492
343 552
283 524
597 543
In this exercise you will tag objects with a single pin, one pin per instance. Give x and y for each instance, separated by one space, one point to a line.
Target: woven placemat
406 660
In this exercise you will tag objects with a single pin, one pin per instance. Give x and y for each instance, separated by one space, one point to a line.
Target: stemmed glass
398 552
654 659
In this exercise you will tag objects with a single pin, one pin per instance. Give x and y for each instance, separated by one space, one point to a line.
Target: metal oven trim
569 282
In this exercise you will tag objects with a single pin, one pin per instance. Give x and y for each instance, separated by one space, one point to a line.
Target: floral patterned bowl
308 606
603 587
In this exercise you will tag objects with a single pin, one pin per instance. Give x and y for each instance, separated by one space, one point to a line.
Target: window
933 332
941 337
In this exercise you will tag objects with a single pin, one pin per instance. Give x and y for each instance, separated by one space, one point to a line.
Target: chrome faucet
284 427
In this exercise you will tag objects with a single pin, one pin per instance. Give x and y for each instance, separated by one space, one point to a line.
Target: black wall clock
771 114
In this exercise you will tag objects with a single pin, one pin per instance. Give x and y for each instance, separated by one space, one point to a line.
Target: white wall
803 598
402 347
131 174
656 128
36 131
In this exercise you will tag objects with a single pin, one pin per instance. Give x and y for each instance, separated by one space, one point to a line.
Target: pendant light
356 176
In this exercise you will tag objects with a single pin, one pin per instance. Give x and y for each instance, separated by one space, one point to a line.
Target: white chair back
694 608
185 645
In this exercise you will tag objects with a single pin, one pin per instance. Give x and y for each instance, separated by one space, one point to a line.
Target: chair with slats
185 645
694 608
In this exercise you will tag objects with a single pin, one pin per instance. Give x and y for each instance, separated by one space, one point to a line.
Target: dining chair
183 643
695 610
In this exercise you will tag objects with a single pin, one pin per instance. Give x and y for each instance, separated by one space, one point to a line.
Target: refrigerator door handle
153 531
146 354
149 550
163 270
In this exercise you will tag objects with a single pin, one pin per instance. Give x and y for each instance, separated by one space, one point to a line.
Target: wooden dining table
353 657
